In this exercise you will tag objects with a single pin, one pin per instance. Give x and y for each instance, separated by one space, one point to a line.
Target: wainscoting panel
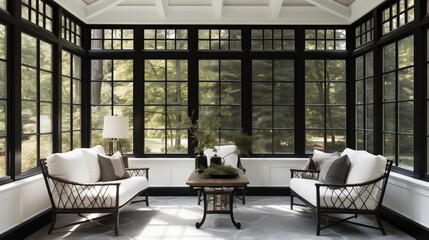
408 197
266 172
21 201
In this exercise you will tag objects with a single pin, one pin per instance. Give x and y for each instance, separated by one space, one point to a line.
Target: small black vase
200 161
215 160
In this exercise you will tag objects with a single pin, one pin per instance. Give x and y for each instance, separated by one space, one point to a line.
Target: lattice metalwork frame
73 197
346 198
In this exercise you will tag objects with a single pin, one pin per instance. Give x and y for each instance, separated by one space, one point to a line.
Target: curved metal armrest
360 196
74 195
307 174
141 172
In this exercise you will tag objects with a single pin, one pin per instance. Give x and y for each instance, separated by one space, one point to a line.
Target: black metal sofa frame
346 191
98 191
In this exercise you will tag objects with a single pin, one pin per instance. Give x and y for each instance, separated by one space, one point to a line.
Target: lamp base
118 146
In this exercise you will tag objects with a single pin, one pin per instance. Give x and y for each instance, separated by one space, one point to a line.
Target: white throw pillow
91 160
365 167
70 166
324 161
320 157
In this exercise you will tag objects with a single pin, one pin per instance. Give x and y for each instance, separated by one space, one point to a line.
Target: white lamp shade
115 127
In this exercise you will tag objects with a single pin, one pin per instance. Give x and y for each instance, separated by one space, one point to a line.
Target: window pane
28 152
406 84
28 50
406 151
284 117
406 117
314 117
262 117
406 52
263 142
283 142
314 140
154 141
389 56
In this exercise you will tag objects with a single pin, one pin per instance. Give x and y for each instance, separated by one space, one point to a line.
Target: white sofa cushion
128 189
91 160
70 166
364 166
332 198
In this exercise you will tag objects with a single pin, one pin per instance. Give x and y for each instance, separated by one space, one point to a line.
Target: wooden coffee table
222 192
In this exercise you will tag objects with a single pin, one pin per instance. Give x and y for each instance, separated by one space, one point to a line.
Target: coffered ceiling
219 11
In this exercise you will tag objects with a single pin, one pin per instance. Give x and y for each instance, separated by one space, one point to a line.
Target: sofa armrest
140 172
307 174
73 195
361 196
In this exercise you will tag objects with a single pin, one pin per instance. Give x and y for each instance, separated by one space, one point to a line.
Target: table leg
199 224
231 210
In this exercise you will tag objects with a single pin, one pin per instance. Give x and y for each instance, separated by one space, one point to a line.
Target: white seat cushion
332 198
129 188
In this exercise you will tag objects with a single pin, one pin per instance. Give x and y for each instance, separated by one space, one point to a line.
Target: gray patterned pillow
112 168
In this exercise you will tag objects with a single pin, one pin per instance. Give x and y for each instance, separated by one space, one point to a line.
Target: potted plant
243 143
204 134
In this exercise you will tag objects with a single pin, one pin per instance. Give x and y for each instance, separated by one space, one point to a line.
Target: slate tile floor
171 218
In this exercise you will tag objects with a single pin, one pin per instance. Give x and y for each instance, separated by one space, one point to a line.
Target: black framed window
38 12
219 39
3 101
427 100
112 39
3 4
220 94
398 102
397 15
364 102
71 31
165 39
364 33
273 110
325 39
325 105
71 104
36 101
111 94
165 106
273 39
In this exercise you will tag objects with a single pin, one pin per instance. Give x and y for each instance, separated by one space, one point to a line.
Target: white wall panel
408 197
22 200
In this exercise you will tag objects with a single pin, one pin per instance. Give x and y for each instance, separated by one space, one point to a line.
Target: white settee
362 192
73 180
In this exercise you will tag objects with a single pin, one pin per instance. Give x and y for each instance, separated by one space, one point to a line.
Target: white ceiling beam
160 8
101 6
332 7
275 7
217 7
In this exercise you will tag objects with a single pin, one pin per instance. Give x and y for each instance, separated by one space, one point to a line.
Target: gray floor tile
171 218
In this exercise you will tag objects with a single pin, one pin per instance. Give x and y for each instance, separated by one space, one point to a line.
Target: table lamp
115 127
